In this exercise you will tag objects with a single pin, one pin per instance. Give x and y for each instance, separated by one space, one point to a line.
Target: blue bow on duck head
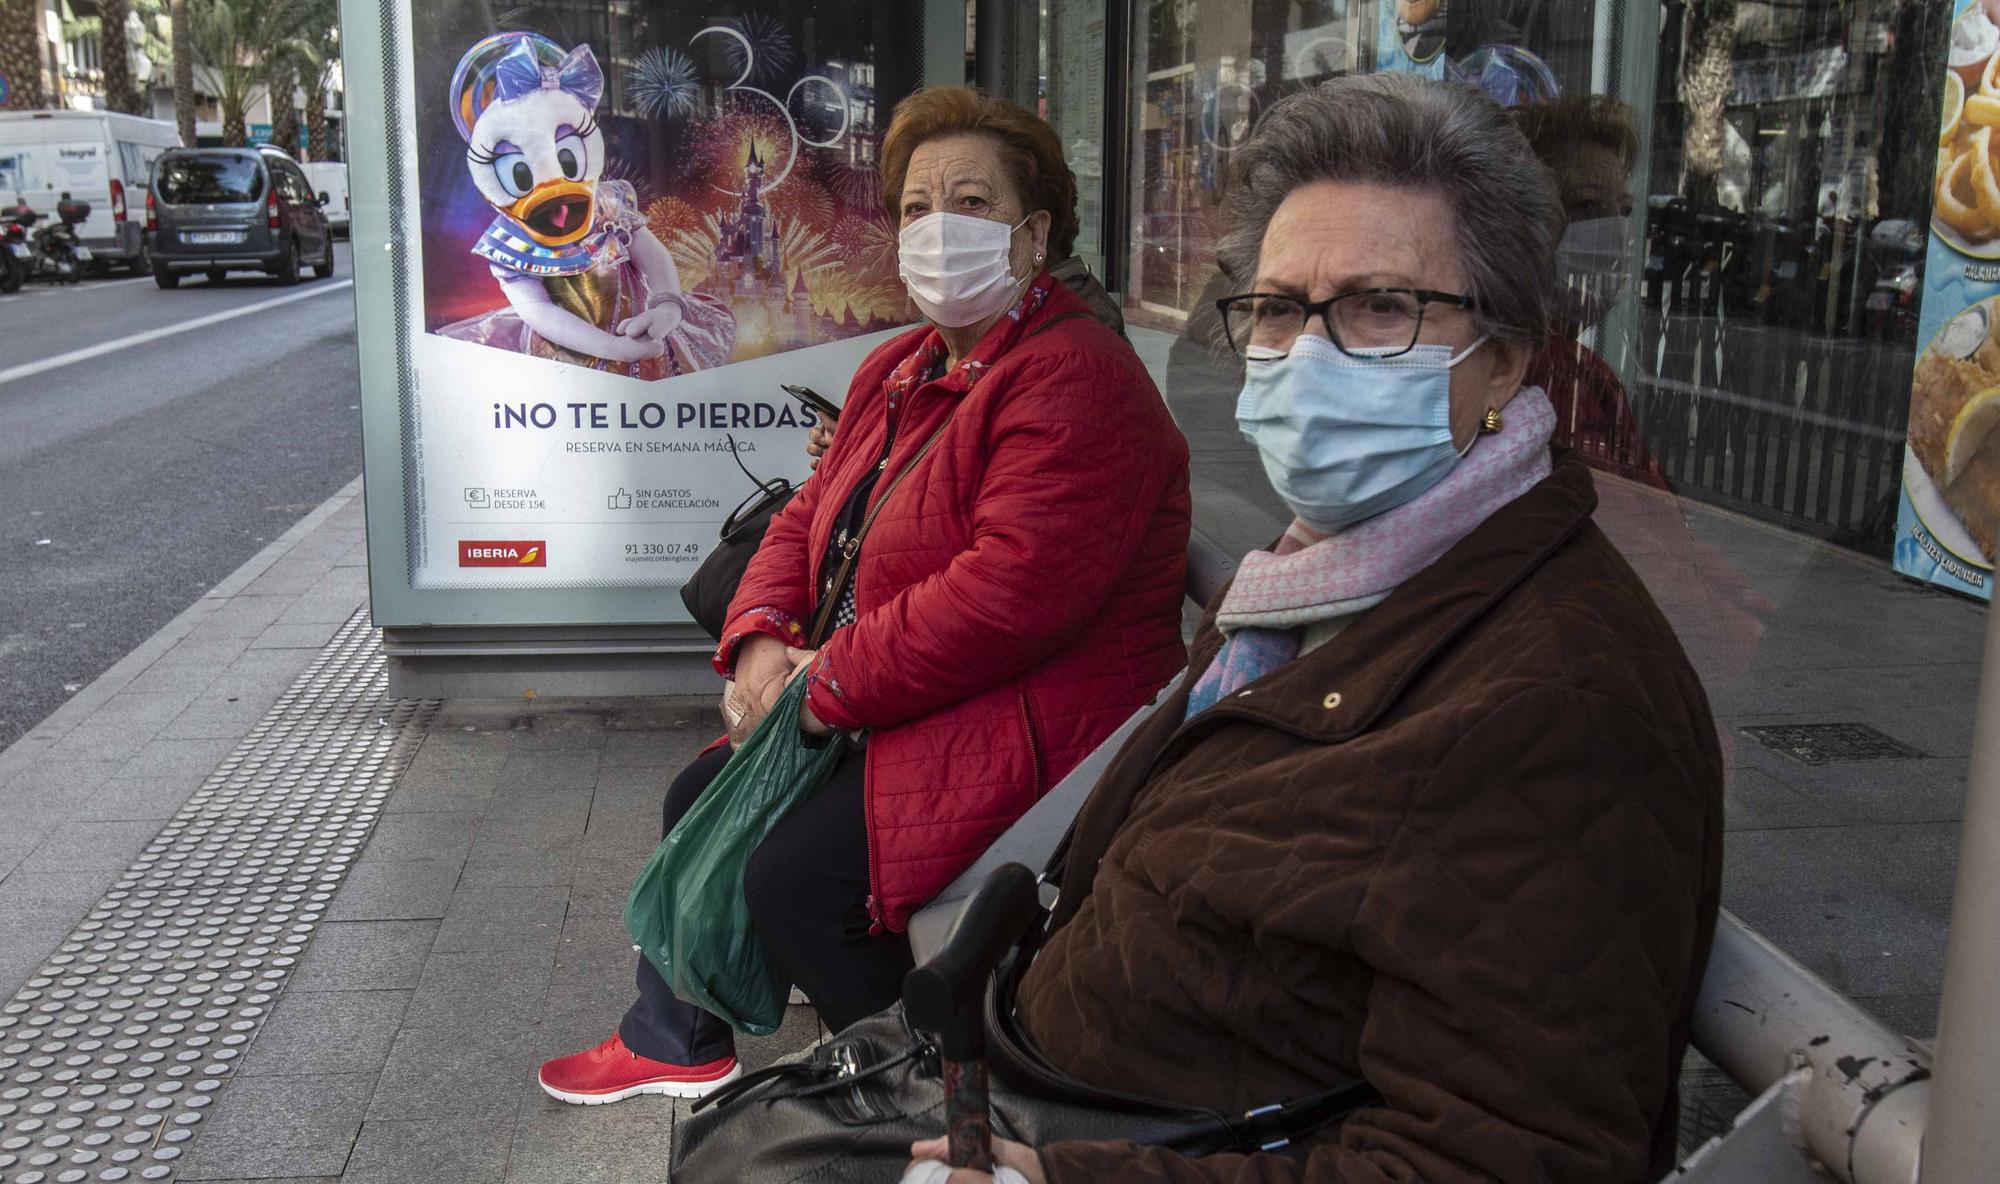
513 65
521 73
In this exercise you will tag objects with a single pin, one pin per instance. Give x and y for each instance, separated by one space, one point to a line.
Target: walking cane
946 998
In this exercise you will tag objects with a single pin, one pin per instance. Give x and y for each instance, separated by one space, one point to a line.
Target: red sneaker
611 1073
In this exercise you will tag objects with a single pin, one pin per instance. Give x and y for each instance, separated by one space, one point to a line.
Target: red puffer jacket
1018 596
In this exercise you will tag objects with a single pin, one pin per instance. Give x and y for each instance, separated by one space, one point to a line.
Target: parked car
100 158
329 182
218 210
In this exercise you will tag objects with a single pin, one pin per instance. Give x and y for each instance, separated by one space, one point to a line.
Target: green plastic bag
687 913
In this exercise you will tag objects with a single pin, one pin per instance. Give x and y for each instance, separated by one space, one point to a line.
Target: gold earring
1491 423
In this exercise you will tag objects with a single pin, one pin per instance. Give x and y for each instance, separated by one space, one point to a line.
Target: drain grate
115 1048
1823 744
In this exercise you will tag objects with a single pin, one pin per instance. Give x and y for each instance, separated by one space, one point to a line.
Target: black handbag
848 1109
709 590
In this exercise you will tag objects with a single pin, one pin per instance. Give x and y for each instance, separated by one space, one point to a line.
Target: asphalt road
135 479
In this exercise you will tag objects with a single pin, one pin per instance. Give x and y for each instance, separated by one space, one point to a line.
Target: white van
101 157
329 177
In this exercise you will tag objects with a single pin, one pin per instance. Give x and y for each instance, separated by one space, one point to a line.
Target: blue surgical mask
1345 438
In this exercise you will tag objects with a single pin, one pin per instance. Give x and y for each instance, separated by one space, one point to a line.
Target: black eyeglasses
1367 322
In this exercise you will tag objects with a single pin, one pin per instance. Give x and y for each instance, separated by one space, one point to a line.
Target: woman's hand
761 673
1006 1154
801 661
818 440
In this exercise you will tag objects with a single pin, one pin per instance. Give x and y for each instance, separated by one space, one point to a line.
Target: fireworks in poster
652 195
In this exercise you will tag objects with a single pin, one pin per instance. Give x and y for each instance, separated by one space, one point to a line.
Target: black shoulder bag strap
823 620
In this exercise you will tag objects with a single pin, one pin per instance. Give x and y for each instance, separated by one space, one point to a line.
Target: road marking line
35 288
30 369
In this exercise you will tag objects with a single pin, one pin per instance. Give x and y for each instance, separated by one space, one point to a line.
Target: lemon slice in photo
1954 106
1969 430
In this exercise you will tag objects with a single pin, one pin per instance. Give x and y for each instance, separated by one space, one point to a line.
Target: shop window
1759 169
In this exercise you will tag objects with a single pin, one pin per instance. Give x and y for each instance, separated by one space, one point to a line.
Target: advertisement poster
1950 509
633 224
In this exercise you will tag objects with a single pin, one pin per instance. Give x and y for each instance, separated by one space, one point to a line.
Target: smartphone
827 408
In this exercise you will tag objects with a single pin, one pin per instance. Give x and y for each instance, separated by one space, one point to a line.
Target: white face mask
957 268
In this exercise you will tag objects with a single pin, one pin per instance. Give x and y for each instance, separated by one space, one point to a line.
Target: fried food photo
1954 407
1967 185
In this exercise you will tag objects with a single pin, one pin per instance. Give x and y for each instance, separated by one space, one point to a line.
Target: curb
79 707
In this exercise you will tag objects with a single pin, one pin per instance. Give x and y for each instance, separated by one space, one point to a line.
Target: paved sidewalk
477 930
476 933
84 790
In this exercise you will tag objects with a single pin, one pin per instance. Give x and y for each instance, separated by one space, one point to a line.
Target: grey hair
1401 130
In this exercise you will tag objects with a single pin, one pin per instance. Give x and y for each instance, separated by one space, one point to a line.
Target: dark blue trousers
807 888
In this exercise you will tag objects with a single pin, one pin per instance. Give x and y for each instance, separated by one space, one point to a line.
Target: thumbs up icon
619 501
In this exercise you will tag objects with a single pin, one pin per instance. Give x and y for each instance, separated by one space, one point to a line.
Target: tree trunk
22 53
183 69
119 92
235 133
316 129
284 115
1706 80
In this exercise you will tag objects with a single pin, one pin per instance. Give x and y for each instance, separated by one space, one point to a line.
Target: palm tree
22 50
286 64
235 40
289 65
182 35
112 26
281 82
119 92
321 31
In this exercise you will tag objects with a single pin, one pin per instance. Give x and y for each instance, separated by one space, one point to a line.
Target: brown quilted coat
1468 850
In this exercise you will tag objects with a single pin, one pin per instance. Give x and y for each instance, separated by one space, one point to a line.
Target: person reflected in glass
1590 143
1438 806
980 581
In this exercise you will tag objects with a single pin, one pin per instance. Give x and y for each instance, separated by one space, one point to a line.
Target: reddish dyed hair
1029 151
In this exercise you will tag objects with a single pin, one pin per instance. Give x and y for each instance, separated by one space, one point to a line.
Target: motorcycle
53 252
1896 247
14 251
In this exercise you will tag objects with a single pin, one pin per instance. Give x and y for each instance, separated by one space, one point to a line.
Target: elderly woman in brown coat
1438 806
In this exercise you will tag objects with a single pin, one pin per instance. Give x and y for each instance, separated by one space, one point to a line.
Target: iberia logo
502 553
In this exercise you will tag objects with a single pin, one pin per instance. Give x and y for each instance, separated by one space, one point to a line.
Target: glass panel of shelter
1741 385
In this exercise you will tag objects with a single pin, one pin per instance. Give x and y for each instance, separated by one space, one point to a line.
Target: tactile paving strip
112 1053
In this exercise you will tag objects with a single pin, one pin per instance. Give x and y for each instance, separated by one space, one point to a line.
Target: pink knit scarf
1310 577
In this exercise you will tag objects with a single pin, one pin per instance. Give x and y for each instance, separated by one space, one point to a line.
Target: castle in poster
775 299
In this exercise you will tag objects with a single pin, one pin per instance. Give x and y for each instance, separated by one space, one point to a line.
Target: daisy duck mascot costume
586 282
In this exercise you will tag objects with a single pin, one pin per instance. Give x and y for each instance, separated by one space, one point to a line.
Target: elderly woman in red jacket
996 541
